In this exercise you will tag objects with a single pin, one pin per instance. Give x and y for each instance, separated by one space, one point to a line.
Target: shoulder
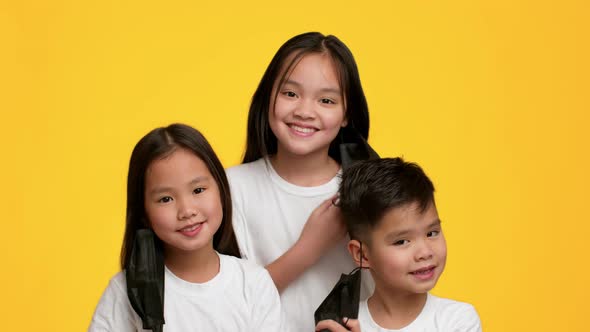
248 270
455 314
246 170
114 312
254 278
117 285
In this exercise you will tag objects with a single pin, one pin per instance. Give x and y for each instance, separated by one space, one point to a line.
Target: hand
352 325
323 229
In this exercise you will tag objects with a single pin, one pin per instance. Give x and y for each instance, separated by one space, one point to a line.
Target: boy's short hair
371 188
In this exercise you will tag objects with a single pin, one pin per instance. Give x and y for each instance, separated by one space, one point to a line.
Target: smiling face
308 109
182 202
407 251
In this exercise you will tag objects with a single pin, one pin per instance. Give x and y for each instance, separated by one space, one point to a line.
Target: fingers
330 325
325 206
352 324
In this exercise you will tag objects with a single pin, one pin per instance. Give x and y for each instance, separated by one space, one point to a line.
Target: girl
177 188
308 95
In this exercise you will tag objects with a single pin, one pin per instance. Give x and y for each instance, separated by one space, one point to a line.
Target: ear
354 248
344 122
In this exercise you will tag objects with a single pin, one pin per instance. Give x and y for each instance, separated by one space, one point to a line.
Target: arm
323 229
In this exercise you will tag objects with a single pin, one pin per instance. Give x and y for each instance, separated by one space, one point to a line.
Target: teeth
190 229
422 271
302 129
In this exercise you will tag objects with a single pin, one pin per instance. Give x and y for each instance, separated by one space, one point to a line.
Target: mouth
191 230
302 130
424 273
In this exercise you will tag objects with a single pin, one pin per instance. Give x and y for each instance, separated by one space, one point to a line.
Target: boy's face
407 250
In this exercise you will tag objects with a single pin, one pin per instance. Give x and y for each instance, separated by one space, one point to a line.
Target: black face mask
343 300
353 147
145 280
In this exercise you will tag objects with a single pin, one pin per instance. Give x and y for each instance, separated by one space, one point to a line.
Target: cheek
392 262
442 249
335 119
159 217
214 207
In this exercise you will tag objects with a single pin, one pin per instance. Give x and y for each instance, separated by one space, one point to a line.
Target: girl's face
182 202
308 110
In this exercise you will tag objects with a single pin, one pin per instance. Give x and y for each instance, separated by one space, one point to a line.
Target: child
388 206
177 188
310 91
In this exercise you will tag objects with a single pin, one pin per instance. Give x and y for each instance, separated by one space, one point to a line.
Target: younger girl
308 95
177 188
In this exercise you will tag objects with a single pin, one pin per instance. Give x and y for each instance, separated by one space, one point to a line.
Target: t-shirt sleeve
267 313
114 312
241 231
463 318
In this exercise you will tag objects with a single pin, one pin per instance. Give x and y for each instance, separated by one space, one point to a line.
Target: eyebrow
159 190
297 84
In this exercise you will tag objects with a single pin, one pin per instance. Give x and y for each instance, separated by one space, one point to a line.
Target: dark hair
261 141
157 144
371 188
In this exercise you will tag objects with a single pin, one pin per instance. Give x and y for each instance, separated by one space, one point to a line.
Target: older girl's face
308 109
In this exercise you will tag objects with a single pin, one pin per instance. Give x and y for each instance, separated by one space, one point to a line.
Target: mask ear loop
362 256
360 270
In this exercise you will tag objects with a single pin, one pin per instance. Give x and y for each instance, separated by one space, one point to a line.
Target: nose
305 109
186 208
423 251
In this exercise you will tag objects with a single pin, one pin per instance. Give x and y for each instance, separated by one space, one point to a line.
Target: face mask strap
359 267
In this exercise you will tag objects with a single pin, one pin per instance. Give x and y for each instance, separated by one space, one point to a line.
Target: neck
392 309
198 266
307 171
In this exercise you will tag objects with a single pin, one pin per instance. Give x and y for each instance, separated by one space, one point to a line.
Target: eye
327 101
290 94
198 190
400 242
165 199
432 233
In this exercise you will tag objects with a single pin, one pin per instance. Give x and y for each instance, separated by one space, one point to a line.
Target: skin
406 254
183 206
306 116
352 325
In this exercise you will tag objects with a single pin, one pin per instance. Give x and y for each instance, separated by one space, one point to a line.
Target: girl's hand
352 325
323 229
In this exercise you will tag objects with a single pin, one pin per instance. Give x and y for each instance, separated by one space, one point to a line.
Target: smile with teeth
423 271
303 130
191 230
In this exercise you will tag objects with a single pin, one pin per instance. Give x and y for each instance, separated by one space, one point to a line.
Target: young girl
308 94
178 189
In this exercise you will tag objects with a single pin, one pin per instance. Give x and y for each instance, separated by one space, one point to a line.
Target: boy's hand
323 229
352 325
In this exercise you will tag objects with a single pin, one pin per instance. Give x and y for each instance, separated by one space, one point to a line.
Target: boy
389 209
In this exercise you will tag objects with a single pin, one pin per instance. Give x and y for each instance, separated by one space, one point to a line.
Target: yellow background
491 98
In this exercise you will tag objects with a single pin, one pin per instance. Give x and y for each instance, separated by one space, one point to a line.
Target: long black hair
261 141
158 144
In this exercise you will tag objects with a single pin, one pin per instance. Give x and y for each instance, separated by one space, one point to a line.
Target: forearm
290 266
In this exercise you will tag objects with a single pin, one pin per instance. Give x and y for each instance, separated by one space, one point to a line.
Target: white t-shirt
241 297
438 314
268 216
